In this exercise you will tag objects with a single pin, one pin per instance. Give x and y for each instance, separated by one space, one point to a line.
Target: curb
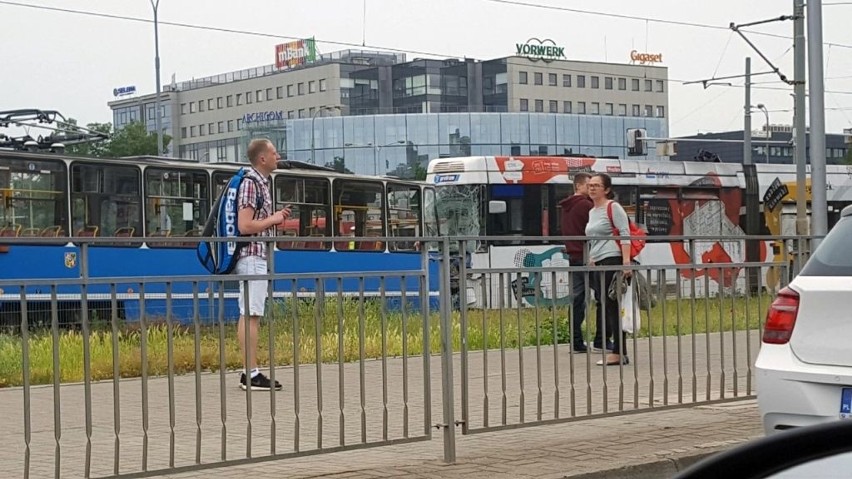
657 469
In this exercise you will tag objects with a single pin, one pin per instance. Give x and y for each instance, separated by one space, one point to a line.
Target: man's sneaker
596 348
579 348
259 383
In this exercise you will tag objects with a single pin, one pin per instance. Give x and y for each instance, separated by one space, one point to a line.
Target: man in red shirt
575 215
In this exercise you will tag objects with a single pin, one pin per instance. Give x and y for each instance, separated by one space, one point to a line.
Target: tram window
177 202
32 198
404 215
105 200
311 210
359 211
430 216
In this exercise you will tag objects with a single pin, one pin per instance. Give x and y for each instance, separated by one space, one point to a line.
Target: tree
134 140
96 149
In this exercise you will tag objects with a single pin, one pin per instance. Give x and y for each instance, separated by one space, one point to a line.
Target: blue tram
62 199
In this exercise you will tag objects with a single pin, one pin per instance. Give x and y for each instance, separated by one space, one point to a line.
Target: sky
72 62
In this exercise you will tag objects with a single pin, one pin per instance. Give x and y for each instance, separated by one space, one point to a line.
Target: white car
804 368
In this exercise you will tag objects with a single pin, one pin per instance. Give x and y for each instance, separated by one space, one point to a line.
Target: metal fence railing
142 378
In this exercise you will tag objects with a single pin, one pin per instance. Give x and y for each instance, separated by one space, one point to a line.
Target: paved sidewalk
647 444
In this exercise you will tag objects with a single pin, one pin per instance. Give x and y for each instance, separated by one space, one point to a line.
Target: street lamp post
762 107
155 5
377 151
313 119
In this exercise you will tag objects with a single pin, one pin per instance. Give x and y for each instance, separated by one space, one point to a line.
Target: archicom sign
292 54
535 50
263 116
643 58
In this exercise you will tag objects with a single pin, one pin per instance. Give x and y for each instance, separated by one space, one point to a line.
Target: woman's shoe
624 360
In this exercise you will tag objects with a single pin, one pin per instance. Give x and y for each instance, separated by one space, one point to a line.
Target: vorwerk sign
535 49
263 116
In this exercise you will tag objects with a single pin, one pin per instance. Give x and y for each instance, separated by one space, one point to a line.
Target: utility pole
800 142
752 200
157 114
747 112
819 207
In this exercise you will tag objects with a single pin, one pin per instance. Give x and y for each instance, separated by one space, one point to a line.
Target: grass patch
309 320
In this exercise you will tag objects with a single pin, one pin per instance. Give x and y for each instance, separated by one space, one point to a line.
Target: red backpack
636 245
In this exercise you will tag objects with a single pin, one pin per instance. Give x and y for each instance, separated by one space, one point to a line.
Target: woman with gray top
608 252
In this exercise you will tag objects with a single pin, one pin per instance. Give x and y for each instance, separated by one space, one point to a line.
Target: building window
301 112
301 88
312 87
183 132
289 90
566 107
258 97
608 83
566 80
192 107
210 129
221 127
248 98
192 132
622 83
183 108
239 124
538 78
649 111
219 103
595 109
554 106
522 78
230 126
525 104
596 82
649 85
210 104
581 107
608 109
200 105
622 109
661 112
637 110
581 81
279 92
539 105
660 87
291 114
229 101
634 84
323 85
551 79
268 94
239 99
202 130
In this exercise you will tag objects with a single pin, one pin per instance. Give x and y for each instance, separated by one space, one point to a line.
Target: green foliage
309 320
132 140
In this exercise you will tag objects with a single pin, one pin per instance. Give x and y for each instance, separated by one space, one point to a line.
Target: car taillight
781 317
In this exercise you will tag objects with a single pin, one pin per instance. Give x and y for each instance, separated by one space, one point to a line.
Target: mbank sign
535 49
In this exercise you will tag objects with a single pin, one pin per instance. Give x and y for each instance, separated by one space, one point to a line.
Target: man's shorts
252 265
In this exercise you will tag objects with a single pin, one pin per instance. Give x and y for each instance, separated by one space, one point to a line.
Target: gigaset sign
643 58
535 49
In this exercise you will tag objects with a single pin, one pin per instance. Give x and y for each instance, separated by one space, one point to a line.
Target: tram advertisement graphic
539 288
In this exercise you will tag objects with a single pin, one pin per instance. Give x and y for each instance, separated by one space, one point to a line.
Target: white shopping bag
631 320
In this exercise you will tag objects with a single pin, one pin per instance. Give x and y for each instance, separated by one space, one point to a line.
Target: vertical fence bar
661 294
589 277
426 353
447 385
501 299
692 273
747 296
362 357
572 393
604 292
465 376
404 295
707 356
87 369
143 348
722 375
247 359
734 338
25 375
637 290
537 313
223 397
196 323
518 306
57 378
486 279
297 348
319 316
341 360
116 375
664 312
679 319
637 365
553 317
170 352
271 318
384 326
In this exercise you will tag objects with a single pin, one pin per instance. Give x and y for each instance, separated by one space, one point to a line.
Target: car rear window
833 257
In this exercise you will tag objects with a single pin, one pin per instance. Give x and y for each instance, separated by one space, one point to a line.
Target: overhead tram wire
390 49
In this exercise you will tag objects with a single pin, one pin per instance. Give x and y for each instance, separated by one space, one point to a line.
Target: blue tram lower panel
34 268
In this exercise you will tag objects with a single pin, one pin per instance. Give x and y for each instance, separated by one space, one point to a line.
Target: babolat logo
535 49
231 218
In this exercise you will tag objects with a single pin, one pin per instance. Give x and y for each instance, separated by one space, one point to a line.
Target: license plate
846 403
